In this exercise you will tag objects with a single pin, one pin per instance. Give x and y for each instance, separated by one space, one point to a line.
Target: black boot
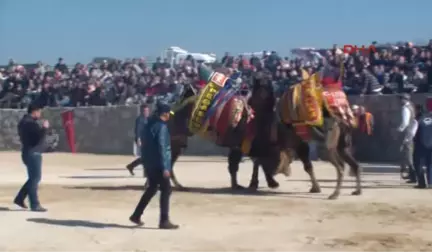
38 209
168 225
130 169
20 203
136 220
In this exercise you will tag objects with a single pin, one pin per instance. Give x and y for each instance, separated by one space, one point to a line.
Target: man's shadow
82 223
7 209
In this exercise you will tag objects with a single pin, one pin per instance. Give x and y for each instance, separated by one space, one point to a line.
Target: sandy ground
90 198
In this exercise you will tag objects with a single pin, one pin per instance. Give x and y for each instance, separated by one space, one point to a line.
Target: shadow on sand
7 209
200 190
380 169
95 177
81 223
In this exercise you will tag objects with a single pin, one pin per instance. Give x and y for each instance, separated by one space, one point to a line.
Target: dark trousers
423 157
33 163
155 182
407 159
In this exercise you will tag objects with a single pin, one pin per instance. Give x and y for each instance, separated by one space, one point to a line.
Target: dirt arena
90 198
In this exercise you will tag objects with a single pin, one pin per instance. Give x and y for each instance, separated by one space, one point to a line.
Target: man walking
423 151
156 157
32 138
408 129
140 124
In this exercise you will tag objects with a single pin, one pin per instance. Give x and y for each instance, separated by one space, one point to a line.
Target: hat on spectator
405 97
162 108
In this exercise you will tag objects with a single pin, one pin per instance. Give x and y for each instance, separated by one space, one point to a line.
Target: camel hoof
315 190
273 184
253 186
356 192
333 196
237 187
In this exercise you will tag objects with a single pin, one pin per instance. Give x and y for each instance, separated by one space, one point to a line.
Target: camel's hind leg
234 157
254 182
332 142
303 154
345 153
175 153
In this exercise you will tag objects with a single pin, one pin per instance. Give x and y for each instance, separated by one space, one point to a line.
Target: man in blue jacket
156 158
140 124
423 151
32 140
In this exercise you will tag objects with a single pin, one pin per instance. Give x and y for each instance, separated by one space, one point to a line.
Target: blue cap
162 108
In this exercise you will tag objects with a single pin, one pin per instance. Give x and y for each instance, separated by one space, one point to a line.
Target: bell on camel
205 73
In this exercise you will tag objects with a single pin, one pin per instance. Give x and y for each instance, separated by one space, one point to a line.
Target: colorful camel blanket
203 102
303 104
218 111
336 103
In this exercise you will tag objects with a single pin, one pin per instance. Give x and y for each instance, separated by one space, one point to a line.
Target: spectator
391 69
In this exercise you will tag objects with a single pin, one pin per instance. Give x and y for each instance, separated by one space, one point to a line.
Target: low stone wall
109 130
99 130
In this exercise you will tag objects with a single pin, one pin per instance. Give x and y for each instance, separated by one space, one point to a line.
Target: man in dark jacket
156 157
140 124
423 151
32 138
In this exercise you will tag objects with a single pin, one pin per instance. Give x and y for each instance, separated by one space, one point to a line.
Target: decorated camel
314 108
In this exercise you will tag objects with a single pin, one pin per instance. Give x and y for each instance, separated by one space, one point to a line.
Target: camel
262 151
274 153
334 130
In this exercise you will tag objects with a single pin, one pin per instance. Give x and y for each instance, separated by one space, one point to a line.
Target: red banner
69 127
429 104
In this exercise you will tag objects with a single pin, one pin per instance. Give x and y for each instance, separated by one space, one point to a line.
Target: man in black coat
32 141
140 124
423 151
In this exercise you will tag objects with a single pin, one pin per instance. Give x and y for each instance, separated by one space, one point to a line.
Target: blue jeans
33 163
423 157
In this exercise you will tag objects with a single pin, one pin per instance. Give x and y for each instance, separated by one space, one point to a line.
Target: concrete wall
100 130
385 143
109 130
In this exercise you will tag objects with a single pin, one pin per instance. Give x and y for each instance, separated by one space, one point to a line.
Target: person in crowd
32 141
365 124
365 121
140 124
391 69
156 158
407 129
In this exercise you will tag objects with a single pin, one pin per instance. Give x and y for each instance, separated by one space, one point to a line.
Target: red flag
429 104
69 127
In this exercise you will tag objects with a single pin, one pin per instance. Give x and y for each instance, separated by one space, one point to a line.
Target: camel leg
175 154
332 142
346 154
269 165
253 185
303 154
234 158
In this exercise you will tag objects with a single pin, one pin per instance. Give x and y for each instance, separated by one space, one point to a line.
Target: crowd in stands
391 69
